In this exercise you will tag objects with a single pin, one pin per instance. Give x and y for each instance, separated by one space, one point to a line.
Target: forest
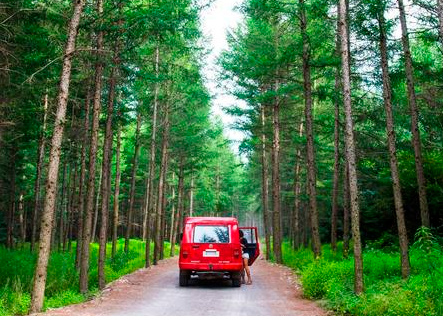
108 141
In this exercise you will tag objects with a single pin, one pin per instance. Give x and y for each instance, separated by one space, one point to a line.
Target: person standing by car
245 257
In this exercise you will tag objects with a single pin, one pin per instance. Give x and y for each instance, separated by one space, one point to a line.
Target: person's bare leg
248 272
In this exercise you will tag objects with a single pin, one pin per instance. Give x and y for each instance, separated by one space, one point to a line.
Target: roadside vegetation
331 278
17 270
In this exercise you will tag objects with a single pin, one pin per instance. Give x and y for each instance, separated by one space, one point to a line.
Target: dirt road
155 292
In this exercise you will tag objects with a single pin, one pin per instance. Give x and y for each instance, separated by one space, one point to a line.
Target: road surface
155 292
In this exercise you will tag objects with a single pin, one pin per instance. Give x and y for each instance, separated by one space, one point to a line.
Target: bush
331 279
17 270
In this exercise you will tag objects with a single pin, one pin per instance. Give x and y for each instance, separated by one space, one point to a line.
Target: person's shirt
244 243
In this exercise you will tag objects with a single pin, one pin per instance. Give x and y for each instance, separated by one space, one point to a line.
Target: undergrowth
17 269
331 278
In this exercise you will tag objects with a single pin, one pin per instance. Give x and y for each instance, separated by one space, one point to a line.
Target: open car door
253 246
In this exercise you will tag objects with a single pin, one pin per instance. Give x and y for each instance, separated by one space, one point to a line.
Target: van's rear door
253 246
210 244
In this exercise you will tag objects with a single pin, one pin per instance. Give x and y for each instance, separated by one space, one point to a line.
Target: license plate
211 253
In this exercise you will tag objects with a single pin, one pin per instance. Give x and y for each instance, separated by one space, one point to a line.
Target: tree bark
97 202
297 192
276 215
335 186
149 188
412 99
62 207
81 198
40 160
84 263
173 216
310 150
12 204
346 215
350 149
116 192
191 196
396 186
106 174
54 159
161 189
180 205
133 182
265 184
440 19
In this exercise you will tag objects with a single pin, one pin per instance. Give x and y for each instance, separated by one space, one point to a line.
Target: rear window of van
211 234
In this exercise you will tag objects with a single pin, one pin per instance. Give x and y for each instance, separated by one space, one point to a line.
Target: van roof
211 220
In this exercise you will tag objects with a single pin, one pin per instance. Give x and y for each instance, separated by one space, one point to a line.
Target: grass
17 269
386 293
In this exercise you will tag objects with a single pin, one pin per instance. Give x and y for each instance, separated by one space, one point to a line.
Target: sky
217 20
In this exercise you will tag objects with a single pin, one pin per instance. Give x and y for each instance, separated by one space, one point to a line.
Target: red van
211 245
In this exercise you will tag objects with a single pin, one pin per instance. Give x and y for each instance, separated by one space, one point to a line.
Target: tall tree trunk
180 204
276 215
38 289
265 184
297 192
161 189
81 198
97 203
440 19
22 224
12 204
346 214
106 173
84 263
412 99
61 224
116 192
173 215
310 150
133 182
396 186
71 212
191 196
40 160
335 186
149 188
350 149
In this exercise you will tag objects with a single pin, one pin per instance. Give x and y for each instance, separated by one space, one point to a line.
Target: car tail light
185 252
236 253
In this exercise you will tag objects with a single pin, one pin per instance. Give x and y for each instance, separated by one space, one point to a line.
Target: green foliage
331 279
17 268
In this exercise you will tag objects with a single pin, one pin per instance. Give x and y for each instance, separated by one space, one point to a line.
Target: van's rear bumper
235 266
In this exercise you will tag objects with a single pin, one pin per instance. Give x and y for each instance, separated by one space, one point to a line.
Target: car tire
183 278
236 280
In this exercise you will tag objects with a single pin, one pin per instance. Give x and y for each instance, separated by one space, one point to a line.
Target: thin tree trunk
133 181
161 189
12 204
440 19
396 186
116 192
173 216
149 188
84 263
97 204
346 215
22 224
106 174
68 233
81 198
62 207
38 290
350 149
297 193
335 186
265 184
310 150
180 205
276 215
191 196
412 99
40 160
